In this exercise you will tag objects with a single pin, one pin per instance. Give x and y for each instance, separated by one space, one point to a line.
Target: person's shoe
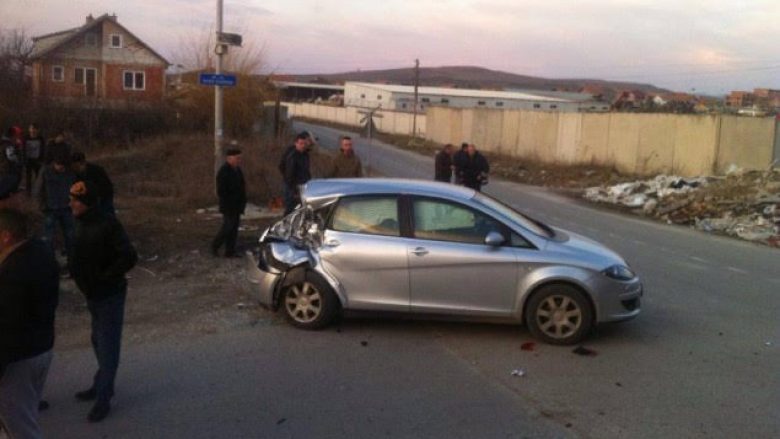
87 395
43 405
99 411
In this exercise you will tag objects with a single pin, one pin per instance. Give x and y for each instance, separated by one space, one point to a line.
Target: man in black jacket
97 175
458 160
29 284
34 153
231 190
102 254
444 164
474 168
296 172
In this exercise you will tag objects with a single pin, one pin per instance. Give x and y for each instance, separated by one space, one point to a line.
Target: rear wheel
559 314
310 303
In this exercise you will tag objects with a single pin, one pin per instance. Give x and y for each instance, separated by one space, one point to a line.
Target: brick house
99 62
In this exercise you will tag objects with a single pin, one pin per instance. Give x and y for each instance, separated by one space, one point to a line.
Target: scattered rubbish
200 211
769 343
743 204
178 220
241 305
569 425
251 212
528 346
582 350
518 373
619 384
281 421
153 258
364 343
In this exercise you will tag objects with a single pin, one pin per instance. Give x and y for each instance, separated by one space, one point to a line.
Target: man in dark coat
102 254
87 171
458 160
57 148
29 285
443 171
474 168
10 167
34 153
231 190
296 172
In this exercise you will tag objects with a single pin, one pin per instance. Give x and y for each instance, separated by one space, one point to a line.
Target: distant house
99 62
629 100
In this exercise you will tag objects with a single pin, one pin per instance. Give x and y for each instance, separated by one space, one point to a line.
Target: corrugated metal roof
460 92
284 84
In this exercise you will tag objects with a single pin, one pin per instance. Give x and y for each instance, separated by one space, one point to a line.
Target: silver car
419 247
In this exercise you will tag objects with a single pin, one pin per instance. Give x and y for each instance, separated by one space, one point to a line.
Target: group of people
469 167
295 168
77 196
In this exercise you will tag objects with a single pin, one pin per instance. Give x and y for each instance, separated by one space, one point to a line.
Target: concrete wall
633 143
391 122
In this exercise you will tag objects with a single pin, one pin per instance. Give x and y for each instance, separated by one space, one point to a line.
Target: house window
78 76
379 97
403 105
362 96
445 101
134 80
481 103
553 106
57 73
90 39
537 106
499 104
116 41
425 99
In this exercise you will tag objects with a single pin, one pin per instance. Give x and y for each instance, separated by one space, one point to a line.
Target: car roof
320 191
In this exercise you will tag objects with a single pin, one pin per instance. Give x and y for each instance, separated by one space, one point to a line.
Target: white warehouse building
401 98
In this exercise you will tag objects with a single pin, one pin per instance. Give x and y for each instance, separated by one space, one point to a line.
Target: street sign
221 80
229 39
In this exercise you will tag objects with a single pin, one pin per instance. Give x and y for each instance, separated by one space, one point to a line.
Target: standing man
10 168
296 172
52 192
231 190
444 165
29 287
58 148
97 175
347 163
474 168
458 161
102 254
34 152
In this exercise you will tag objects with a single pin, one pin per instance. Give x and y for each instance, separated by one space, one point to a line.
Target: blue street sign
214 79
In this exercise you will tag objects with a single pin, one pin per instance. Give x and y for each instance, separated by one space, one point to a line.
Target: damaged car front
287 249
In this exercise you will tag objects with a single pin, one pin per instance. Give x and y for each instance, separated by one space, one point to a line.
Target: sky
707 47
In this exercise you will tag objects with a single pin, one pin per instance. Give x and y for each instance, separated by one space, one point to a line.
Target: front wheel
559 314
310 304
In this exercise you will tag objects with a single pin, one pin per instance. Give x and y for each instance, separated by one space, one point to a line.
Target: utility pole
416 84
219 49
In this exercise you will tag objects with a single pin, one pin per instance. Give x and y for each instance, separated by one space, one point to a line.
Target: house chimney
90 18
113 17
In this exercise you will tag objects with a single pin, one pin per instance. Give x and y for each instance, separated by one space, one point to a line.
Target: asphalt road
702 359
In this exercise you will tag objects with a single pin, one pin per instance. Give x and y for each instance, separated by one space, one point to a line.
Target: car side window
370 215
445 221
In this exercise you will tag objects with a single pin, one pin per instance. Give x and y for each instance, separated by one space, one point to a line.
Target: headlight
619 272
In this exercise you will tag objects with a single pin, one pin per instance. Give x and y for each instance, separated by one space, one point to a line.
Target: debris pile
741 204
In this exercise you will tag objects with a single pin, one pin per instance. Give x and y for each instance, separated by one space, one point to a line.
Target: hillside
475 77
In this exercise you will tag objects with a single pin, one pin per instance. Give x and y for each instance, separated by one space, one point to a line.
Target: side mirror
494 239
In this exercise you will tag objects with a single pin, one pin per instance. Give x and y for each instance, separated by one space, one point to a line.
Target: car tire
309 303
559 314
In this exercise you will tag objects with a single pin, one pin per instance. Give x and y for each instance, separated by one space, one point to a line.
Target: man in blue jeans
51 191
102 254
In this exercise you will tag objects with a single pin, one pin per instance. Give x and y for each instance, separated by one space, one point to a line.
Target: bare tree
243 103
15 51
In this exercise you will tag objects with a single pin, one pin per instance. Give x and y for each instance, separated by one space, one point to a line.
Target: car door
363 249
451 268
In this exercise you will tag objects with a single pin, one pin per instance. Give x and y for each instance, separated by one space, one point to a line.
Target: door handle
420 251
333 243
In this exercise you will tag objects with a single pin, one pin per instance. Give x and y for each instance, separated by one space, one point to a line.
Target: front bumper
617 300
263 278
